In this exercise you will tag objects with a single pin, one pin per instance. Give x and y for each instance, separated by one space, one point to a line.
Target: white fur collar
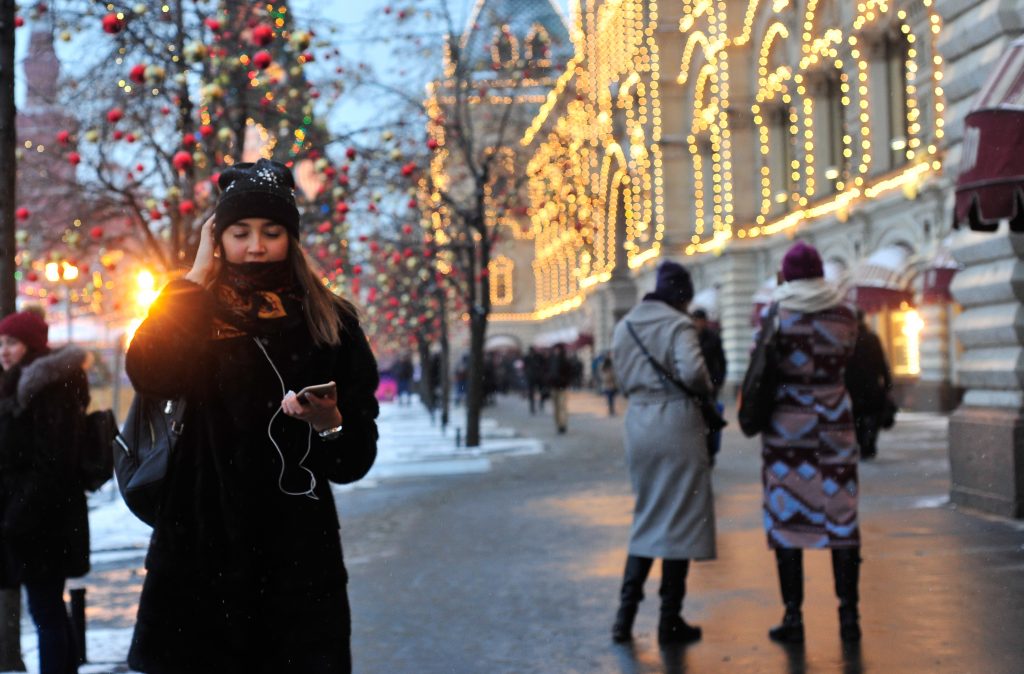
54 367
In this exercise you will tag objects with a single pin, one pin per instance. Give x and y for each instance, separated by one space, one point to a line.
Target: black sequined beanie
265 189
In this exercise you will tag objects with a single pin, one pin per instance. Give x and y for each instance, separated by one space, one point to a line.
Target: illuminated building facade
512 53
715 132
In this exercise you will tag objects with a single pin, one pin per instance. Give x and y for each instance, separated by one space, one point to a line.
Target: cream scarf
808 295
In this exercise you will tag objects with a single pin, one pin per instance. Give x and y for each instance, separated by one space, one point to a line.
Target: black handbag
142 452
757 395
96 464
712 417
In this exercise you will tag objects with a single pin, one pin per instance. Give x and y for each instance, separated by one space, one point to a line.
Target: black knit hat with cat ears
265 189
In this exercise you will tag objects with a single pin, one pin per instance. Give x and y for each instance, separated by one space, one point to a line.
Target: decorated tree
484 86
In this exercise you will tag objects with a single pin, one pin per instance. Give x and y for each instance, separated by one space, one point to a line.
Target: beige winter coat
665 435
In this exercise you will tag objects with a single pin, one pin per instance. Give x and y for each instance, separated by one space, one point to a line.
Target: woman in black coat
44 537
245 571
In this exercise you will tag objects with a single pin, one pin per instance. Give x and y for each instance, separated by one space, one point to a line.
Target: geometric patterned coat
810 451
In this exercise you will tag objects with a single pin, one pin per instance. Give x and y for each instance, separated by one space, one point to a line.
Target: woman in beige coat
666 451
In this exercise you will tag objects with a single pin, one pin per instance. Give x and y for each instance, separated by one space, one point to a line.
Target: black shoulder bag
142 452
757 396
712 418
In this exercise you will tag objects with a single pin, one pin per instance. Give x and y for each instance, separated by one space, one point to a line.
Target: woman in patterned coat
810 450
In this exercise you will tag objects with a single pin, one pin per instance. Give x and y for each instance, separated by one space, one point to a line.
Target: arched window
504 49
780 158
500 273
538 46
895 53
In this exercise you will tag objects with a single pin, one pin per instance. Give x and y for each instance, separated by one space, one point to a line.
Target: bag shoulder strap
661 369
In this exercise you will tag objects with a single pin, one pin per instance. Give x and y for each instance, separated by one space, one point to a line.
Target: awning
762 298
567 336
502 342
938 275
707 300
884 280
991 182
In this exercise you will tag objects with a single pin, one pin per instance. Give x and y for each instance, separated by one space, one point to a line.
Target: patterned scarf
256 298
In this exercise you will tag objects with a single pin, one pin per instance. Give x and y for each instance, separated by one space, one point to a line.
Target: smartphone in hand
318 391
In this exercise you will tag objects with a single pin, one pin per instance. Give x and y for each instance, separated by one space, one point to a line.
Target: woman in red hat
44 525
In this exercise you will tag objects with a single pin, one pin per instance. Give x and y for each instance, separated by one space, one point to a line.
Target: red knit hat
28 328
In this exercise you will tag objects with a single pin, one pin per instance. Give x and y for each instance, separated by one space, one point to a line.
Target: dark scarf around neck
256 298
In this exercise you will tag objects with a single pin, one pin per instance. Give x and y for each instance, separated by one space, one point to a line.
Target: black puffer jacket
44 524
242 577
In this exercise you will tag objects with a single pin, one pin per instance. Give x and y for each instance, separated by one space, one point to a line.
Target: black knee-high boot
672 629
790 562
630 596
846 569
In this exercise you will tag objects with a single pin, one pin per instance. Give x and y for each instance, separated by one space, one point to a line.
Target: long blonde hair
325 311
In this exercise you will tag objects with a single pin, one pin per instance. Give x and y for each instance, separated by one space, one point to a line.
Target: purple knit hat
802 261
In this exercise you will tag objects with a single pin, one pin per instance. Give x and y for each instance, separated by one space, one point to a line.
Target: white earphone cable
309 439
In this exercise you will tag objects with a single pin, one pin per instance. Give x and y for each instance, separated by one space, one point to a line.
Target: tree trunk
8 165
446 367
475 385
10 600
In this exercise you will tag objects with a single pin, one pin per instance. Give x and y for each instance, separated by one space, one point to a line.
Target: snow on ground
410 445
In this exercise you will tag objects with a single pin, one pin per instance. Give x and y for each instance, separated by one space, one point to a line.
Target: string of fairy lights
820 72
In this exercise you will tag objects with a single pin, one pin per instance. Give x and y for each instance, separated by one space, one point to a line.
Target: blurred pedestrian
245 570
44 539
810 452
666 450
534 367
609 387
403 372
870 385
559 379
714 358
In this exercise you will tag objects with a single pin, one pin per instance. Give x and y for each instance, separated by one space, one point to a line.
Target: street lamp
63 272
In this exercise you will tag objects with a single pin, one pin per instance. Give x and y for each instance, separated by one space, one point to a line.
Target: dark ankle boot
631 595
790 563
846 570
672 629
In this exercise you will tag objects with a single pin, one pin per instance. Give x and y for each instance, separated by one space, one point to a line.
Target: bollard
458 436
78 620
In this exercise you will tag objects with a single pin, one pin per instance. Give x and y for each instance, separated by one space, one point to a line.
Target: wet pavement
516 570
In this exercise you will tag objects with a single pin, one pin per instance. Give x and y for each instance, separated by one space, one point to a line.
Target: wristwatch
331 433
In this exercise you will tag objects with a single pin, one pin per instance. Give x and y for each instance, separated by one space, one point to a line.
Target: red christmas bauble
96 232
181 160
432 143
19 22
187 207
32 276
206 130
350 153
138 73
262 35
22 213
74 158
212 23
114 115
188 140
112 24
262 59
63 137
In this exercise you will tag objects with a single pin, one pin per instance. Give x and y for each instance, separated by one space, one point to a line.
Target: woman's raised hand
204 269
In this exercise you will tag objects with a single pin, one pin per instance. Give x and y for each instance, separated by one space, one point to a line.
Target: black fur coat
242 577
44 524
